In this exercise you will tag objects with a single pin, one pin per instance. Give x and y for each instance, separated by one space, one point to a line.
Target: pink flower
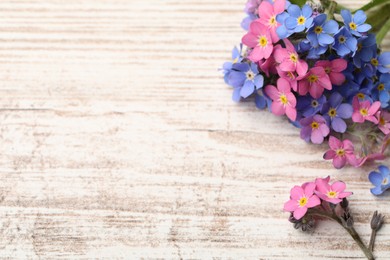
268 13
288 59
301 199
363 111
290 76
314 129
341 152
383 121
333 69
284 101
314 82
258 38
331 193
268 66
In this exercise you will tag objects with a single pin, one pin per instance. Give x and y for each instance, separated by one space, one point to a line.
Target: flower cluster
320 199
327 76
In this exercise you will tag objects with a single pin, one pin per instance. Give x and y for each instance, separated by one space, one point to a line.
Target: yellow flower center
382 121
374 62
331 194
314 103
301 20
318 29
315 125
352 25
381 87
313 78
283 99
293 57
340 152
272 21
328 70
342 39
302 202
263 41
332 112
360 95
363 112
250 75
385 181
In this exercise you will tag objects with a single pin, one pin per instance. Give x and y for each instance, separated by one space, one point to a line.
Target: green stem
350 230
382 32
331 9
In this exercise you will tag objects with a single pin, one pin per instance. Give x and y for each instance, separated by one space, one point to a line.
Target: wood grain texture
119 141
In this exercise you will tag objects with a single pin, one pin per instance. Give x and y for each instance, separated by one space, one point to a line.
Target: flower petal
338 186
313 201
299 213
375 178
290 205
296 192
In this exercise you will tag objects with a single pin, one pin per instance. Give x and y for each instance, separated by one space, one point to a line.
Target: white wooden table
119 140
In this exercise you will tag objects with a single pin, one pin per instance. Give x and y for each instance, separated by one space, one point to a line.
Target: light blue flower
322 29
298 19
356 24
344 42
228 66
380 179
245 79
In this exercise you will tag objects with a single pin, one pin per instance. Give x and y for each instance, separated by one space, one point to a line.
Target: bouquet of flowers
319 64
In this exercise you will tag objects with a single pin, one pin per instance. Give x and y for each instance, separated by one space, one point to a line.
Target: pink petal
302 67
352 160
322 185
266 10
334 143
355 104
283 85
296 193
313 201
324 129
339 65
309 189
374 108
287 65
339 162
291 99
272 92
250 40
337 78
299 213
268 49
303 87
274 35
333 200
372 119
291 113
348 145
316 91
317 137
323 63
256 54
344 194
290 205
257 28
325 82
277 108
338 186
280 54
330 154
357 117
289 46
279 6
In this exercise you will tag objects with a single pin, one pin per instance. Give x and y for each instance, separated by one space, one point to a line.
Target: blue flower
334 112
308 106
380 179
321 30
381 62
261 100
228 66
315 49
366 50
245 79
381 90
299 19
344 42
356 23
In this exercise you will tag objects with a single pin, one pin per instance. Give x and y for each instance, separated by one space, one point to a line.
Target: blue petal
247 89
339 125
335 99
307 11
291 23
260 101
254 68
294 11
242 67
331 27
351 43
342 50
384 58
282 17
282 32
345 111
376 191
325 39
347 17
236 79
320 19
259 81
384 170
359 17
364 28
384 97
236 94
299 28
309 22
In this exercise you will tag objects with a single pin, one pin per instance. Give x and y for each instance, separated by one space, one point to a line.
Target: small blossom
284 101
363 111
309 106
228 66
288 59
314 129
314 82
299 19
380 63
322 29
356 24
245 79
335 111
340 152
381 180
258 38
344 42
332 193
366 50
383 121
334 70
301 199
381 90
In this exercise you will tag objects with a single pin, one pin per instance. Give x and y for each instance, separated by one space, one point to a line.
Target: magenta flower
268 13
301 199
341 152
258 38
314 82
333 69
331 193
383 121
288 59
268 66
314 129
363 110
284 101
